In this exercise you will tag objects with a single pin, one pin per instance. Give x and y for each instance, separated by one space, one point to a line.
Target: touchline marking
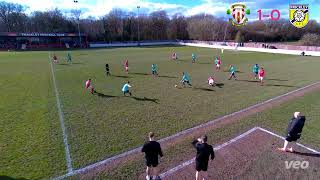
187 163
301 145
61 117
184 164
138 149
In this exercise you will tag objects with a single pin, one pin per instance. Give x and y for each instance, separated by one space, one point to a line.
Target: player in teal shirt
232 71
125 89
194 57
69 58
154 69
217 62
185 79
255 70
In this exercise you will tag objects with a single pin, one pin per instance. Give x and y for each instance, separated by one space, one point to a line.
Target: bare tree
310 39
10 13
159 24
50 21
178 27
204 27
114 25
93 28
119 25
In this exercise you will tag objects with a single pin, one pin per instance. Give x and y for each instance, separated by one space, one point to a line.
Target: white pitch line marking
186 163
61 117
301 145
135 150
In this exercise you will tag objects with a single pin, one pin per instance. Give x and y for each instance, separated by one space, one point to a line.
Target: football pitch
106 124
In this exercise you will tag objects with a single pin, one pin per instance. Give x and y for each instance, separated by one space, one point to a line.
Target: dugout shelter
32 41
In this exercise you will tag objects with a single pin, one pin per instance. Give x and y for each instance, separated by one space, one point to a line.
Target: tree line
119 25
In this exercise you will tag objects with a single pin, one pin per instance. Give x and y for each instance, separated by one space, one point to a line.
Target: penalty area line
61 117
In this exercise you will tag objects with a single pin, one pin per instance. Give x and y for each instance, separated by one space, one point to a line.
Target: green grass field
102 126
275 119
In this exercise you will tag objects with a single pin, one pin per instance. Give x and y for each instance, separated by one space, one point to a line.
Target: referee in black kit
203 152
152 150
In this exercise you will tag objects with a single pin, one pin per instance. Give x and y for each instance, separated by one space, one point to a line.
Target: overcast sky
98 8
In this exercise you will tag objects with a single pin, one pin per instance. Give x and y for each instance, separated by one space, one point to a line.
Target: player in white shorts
211 81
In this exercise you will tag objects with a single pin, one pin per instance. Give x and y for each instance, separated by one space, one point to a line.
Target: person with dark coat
107 70
202 158
152 150
294 130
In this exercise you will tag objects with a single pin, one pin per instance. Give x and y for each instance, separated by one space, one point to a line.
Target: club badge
299 15
238 12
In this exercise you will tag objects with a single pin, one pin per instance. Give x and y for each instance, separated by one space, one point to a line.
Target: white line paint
269 132
184 164
187 163
136 150
106 161
61 117
235 139
236 113
301 145
310 149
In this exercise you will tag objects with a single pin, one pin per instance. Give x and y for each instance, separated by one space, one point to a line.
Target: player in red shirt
211 81
89 86
174 56
261 75
126 66
55 59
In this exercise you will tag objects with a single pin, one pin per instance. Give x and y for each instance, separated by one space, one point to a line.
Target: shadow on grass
10 178
236 71
204 63
119 76
146 99
104 95
135 98
306 154
277 79
68 64
275 85
164 76
279 85
253 81
219 85
203 89
144 74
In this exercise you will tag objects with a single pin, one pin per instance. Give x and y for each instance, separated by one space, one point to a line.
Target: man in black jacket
203 152
294 130
152 150
107 70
